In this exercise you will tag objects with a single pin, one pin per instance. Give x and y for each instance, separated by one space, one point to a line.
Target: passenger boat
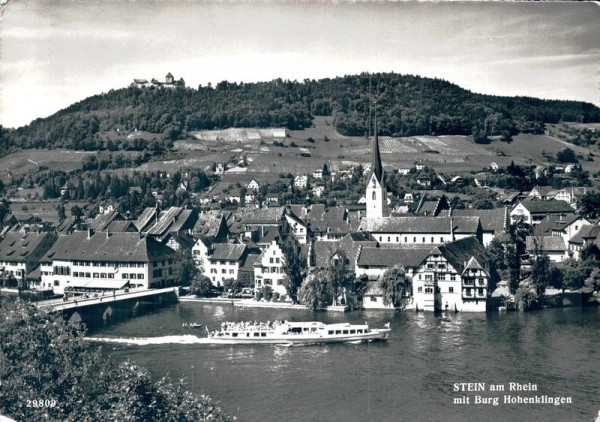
289 333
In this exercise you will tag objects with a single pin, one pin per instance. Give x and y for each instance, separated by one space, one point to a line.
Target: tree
232 286
317 292
540 272
202 287
44 357
394 284
294 267
567 155
339 276
76 212
573 274
61 212
589 204
186 268
325 170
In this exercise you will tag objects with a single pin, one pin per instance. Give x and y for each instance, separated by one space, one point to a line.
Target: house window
405 239
423 239
56 283
231 271
270 260
414 239
223 271
388 238
452 277
420 290
428 289
428 277
374 196
450 289
268 282
397 239
373 299
280 282
277 260
441 239
432 241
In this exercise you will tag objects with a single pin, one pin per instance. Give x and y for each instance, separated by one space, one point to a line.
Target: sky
54 53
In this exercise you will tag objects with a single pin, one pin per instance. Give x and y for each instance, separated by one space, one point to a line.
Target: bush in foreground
48 372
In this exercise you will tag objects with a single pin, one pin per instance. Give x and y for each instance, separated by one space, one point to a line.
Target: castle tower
376 196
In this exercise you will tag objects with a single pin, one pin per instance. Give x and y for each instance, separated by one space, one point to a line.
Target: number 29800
41 403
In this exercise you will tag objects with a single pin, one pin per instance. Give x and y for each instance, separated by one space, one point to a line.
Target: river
410 377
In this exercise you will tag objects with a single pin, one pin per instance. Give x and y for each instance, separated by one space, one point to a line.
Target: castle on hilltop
169 82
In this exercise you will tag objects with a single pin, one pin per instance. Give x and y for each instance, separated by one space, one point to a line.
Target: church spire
376 161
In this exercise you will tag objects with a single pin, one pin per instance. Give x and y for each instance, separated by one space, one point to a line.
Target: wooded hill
407 105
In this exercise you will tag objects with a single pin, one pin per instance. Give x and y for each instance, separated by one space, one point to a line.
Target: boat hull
374 335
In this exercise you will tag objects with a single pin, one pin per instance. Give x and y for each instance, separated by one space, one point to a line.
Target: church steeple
376 196
376 160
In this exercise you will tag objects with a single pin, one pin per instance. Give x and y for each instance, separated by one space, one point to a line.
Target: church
376 195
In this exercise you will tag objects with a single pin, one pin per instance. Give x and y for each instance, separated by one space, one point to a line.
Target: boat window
338 331
330 332
345 331
247 334
296 330
359 331
234 334
256 334
352 331
314 330
263 334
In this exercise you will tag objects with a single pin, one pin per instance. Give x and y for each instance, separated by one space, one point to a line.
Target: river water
408 378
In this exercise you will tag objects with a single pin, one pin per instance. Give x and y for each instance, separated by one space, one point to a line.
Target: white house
533 211
318 191
107 261
421 230
253 185
20 254
454 277
268 270
554 247
300 182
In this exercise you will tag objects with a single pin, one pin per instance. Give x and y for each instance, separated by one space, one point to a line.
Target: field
28 160
268 151
450 154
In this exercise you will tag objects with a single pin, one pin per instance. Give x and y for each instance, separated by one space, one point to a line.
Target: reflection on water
409 377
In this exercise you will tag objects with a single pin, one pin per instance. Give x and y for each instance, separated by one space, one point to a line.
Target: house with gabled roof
554 247
223 261
421 230
454 277
533 211
297 227
107 261
494 221
565 226
374 261
268 270
20 254
588 235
